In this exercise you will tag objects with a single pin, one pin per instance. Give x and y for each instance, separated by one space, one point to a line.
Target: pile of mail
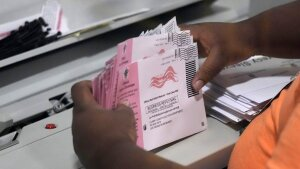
242 91
152 74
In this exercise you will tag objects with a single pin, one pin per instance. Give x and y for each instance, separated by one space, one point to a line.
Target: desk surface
47 149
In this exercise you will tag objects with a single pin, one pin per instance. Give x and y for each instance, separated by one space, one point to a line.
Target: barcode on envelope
170 28
180 39
187 53
190 69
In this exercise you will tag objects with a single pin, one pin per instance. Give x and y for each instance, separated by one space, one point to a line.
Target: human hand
223 44
97 130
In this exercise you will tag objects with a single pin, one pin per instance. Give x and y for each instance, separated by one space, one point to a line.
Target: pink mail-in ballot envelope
159 91
137 48
142 47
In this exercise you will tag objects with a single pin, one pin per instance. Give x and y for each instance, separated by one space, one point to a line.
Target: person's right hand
223 44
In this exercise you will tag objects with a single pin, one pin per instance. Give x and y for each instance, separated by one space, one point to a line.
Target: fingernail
198 85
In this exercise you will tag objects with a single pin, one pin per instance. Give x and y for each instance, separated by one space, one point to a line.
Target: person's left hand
97 130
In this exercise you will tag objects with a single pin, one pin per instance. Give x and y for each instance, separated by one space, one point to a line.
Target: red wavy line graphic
160 80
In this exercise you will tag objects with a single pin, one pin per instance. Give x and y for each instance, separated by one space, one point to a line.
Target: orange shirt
272 140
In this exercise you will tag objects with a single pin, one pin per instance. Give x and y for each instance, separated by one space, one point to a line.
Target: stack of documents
241 91
152 74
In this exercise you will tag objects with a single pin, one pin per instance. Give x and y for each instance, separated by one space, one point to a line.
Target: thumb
82 97
213 64
122 108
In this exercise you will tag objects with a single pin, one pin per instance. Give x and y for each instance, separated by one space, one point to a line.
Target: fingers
209 69
126 113
192 28
184 27
82 96
207 45
125 110
196 31
123 107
